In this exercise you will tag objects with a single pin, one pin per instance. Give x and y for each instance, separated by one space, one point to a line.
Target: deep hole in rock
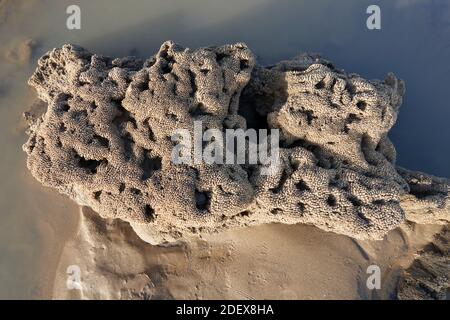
331 200
97 195
149 213
202 200
354 201
320 84
310 116
276 211
193 81
243 64
220 57
361 105
334 105
65 107
251 171
166 67
302 186
149 165
145 85
172 116
89 164
261 96
245 213
248 106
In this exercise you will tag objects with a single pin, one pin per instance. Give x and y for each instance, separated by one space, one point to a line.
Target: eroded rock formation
105 141
428 278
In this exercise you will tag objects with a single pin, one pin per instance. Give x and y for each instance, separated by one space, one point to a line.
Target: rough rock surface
428 278
428 201
105 141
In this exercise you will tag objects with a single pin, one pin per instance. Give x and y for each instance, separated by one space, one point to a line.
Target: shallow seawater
414 43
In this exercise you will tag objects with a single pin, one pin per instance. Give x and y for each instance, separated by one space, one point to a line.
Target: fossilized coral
105 140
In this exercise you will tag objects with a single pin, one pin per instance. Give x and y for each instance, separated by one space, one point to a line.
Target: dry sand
272 261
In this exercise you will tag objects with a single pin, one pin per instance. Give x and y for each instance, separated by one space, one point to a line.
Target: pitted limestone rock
338 164
105 140
428 201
